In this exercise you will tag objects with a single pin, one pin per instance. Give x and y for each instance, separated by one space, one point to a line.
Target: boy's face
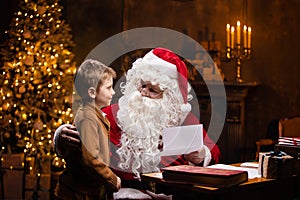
105 93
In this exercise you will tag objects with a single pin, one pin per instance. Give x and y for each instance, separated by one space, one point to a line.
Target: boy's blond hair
91 73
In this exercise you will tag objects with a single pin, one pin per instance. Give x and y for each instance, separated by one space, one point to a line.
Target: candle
227 35
232 37
238 32
245 36
249 37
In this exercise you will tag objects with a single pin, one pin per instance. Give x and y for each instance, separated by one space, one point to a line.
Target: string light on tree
38 69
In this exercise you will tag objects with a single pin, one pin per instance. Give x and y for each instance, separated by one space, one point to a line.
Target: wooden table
254 189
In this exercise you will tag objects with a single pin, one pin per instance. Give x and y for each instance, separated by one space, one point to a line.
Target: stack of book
294 141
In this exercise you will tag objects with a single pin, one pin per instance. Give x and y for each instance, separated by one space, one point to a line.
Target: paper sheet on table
252 172
182 139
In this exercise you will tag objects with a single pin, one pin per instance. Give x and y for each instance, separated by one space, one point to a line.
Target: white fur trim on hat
163 66
186 107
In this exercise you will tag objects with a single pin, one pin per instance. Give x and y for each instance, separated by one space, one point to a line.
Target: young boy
88 175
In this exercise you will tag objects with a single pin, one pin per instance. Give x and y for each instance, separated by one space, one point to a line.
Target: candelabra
235 50
238 54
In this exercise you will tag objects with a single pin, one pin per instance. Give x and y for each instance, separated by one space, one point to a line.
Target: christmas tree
37 74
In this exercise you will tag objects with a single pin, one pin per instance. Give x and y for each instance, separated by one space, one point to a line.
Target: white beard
142 120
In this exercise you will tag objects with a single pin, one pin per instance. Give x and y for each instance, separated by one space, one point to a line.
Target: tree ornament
41 10
22 89
17 112
4 106
6 135
37 81
38 124
29 60
27 34
18 96
69 99
66 52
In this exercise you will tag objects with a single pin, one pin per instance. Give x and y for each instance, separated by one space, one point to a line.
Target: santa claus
155 96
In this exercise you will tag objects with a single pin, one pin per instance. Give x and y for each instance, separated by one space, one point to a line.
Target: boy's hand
118 183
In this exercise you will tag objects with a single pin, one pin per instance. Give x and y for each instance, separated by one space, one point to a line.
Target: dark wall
275 62
7 9
92 21
275 59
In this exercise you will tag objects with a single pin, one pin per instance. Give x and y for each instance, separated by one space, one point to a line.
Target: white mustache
144 103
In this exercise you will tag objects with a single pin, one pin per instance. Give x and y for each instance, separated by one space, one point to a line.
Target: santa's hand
69 137
197 157
65 139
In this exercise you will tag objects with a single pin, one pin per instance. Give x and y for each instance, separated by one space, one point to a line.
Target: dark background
275 42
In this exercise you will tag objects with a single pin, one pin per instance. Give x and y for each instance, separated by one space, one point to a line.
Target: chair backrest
289 127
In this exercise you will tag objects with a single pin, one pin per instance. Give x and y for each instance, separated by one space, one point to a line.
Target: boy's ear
92 92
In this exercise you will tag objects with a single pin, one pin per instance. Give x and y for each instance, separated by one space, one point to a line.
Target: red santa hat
171 65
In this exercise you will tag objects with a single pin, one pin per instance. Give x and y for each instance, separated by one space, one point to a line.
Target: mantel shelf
226 83
234 90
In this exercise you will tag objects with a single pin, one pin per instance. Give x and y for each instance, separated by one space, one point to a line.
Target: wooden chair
287 127
264 142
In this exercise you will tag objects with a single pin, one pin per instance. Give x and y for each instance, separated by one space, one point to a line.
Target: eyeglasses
146 88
